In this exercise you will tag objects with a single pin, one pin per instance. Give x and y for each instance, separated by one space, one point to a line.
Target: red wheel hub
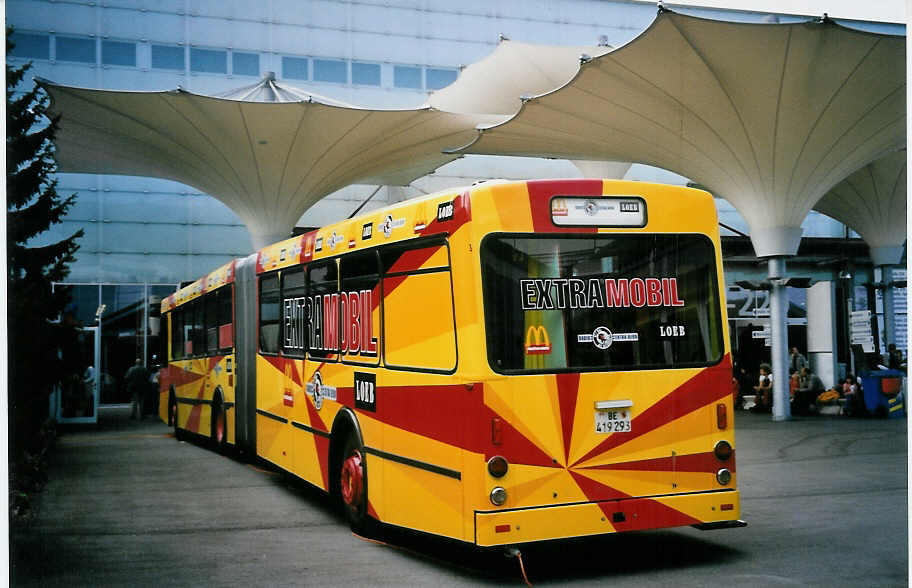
174 414
352 479
220 427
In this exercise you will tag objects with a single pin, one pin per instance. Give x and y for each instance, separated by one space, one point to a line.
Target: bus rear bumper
705 510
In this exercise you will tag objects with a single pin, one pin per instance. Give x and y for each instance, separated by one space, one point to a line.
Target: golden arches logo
537 341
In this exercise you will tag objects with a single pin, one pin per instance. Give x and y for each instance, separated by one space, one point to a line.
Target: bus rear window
599 303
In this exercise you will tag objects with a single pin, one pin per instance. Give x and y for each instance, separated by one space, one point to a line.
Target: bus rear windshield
599 303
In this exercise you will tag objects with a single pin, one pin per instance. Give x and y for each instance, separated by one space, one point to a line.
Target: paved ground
826 499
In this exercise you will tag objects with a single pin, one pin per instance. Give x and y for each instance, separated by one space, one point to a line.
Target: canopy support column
779 334
886 277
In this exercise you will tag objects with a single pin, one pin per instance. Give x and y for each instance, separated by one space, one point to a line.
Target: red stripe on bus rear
631 514
706 387
540 193
567 392
694 462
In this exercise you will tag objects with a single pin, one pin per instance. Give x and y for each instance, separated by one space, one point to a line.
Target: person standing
137 379
797 362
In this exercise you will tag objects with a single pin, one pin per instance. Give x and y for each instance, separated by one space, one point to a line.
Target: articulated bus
501 364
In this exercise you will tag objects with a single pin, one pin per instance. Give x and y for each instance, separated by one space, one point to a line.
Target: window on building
366 74
118 53
76 49
31 45
208 61
166 57
294 68
245 64
330 70
439 78
407 77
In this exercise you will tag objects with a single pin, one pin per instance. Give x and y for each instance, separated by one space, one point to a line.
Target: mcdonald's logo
537 341
559 207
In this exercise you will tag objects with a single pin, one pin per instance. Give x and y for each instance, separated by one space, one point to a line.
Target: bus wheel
219 431
353 485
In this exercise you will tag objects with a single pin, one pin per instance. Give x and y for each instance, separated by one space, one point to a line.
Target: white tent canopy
267 161
498 83
768 116
873 202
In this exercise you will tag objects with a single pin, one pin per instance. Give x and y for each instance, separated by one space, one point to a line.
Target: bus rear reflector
502 529
721 417
496 431
728 507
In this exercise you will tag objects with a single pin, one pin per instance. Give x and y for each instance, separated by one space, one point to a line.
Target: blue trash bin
883 393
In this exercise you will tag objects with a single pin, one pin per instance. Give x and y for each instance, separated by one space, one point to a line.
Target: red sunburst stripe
639 513
194 419
279 363
707 386
177 377
457 416
694 462
321 443
540 193
567 392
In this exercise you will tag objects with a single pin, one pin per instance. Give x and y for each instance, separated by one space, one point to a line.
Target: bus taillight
721 417
723 450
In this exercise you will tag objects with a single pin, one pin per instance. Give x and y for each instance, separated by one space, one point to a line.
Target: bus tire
352 484
219 426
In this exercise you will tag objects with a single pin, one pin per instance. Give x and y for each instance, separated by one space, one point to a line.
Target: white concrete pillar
779 332
821 331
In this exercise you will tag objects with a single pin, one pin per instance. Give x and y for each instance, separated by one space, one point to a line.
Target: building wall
388 54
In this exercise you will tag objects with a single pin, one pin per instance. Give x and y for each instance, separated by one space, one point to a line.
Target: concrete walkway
128 505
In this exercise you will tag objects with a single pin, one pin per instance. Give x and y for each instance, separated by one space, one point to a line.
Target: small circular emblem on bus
591 207
387 226
601 337
318 390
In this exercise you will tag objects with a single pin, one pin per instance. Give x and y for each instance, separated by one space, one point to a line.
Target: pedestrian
796 361
810 386
894 357
764 390
137 379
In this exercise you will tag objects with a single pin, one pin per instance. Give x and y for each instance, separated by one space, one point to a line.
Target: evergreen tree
33 205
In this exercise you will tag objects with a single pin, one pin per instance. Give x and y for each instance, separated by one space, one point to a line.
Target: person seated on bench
809 387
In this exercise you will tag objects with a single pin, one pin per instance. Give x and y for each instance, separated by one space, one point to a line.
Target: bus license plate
612 421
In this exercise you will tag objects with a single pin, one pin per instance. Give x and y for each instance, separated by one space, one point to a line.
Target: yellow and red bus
500 364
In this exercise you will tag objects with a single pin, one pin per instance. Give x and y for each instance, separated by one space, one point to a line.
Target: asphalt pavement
128 505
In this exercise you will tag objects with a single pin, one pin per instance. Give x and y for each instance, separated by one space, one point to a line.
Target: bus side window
269 314
359 307
294 312
323 310
177 333
198 330
224 318
418 325
210 305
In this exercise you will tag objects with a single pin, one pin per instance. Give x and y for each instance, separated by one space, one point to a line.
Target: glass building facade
143 236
